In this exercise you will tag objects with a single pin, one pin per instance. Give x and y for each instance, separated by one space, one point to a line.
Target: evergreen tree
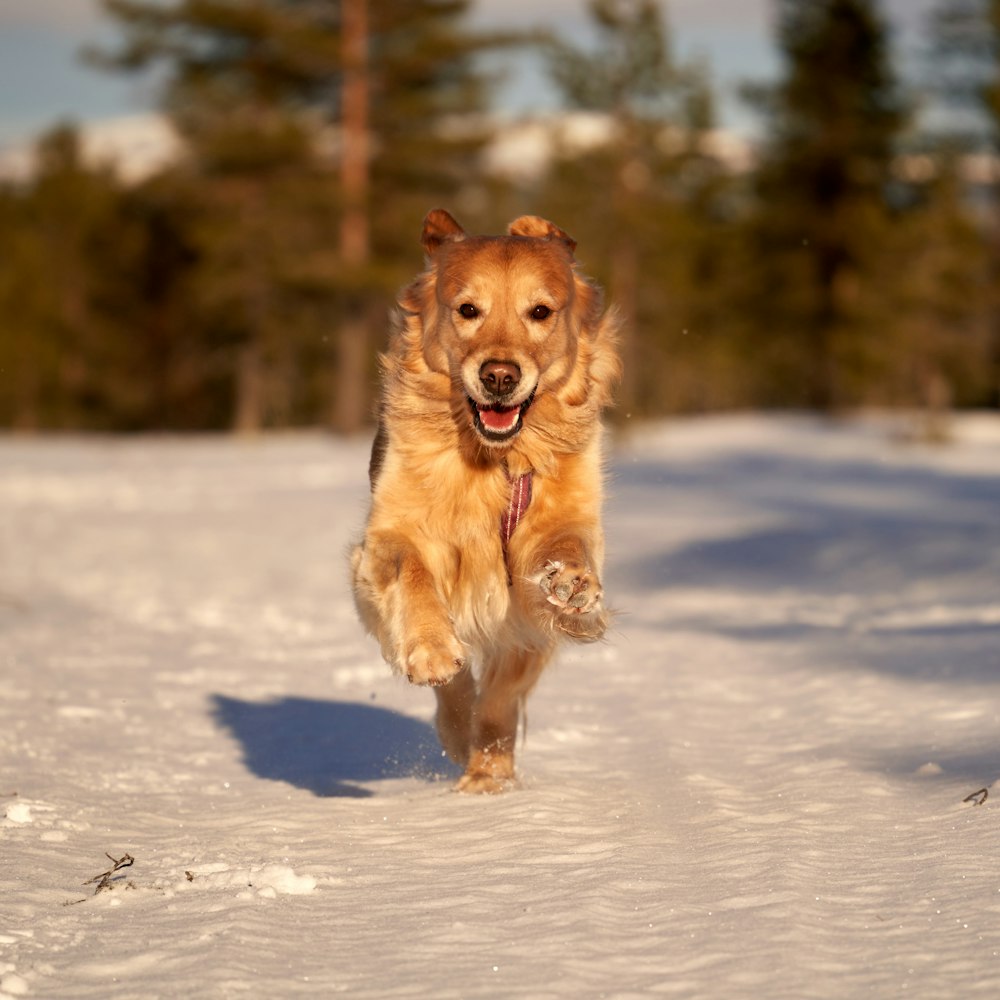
423 98
241 77
317 131
820 232
643 233
67 361
965 39
938 316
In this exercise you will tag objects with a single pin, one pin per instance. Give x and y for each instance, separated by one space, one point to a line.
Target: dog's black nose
499 378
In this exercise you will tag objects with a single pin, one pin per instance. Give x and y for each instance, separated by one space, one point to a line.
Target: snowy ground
754 789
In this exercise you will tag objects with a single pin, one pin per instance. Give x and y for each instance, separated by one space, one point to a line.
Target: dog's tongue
499 420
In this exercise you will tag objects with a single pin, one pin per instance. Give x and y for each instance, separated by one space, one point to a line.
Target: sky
43 79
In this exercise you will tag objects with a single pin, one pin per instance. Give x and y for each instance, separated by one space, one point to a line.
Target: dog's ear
534 225
439 227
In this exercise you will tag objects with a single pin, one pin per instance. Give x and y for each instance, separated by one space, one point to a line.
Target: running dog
483 547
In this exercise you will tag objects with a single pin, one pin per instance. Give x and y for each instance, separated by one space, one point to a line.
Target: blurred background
207 206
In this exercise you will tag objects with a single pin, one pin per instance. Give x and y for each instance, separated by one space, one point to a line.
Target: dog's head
505 317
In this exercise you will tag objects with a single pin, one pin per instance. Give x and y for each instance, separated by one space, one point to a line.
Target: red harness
520 497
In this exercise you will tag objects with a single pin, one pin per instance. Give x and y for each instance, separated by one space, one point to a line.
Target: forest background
853 260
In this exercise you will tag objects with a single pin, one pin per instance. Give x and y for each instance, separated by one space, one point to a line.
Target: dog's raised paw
433 663
575 593
572 589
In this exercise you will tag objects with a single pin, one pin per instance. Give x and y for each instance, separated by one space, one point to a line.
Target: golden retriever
484 545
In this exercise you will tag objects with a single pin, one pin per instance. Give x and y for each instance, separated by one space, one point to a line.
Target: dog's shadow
331 748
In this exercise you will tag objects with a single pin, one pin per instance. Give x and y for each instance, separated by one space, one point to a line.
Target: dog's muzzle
497 419
497 423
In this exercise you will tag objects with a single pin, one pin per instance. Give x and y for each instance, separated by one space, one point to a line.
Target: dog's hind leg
506 680
455 701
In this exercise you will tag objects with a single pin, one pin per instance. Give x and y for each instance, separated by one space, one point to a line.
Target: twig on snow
104 879
978 798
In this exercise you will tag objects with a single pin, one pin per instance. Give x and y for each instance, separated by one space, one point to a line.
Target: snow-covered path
754 789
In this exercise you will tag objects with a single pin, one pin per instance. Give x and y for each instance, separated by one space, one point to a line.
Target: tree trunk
351 383
248 417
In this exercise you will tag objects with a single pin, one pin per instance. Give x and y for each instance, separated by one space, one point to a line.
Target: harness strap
520 498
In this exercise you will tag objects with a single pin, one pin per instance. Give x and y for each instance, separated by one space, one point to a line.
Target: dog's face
502 316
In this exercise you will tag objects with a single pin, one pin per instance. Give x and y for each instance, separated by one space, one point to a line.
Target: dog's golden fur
499 365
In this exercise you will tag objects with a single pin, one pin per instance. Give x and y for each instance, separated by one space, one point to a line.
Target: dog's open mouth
498 423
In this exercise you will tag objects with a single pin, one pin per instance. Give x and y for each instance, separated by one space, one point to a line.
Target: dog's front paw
575 593
434 660
574 590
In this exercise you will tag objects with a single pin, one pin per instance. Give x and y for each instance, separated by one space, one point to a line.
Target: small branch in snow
104 879
978 798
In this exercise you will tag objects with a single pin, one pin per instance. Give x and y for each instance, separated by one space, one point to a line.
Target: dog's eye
541 312
468 310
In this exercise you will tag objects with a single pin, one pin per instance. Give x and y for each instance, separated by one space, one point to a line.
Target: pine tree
28 354
820 230
938 317
965 41
650 175
69 361
414 85
239 79
317 131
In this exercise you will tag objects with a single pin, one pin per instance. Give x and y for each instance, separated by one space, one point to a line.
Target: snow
755 787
